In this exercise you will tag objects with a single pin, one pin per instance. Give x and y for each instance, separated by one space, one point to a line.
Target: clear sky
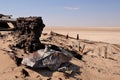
66 12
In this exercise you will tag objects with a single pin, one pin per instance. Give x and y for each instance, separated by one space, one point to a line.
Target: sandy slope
100 60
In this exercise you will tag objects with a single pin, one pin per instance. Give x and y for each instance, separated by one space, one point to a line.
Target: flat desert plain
104 34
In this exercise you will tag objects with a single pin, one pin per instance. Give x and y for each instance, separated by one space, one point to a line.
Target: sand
100 57
104 34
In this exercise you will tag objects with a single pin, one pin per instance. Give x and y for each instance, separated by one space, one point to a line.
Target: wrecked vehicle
26 36
7 23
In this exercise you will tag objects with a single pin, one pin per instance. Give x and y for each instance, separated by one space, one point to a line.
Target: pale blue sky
66 12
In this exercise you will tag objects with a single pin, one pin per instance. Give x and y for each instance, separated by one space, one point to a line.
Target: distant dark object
77 36
67 36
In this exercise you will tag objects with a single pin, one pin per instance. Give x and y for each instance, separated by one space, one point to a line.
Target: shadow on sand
71 70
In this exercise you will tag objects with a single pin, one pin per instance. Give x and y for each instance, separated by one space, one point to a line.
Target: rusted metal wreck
26 34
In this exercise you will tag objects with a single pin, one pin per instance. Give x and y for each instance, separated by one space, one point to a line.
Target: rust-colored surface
28 32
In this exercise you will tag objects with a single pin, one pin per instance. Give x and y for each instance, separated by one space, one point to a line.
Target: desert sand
100 51
104 34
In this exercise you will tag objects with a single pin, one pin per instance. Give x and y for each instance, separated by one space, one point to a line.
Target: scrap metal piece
46 58
5 16
7 23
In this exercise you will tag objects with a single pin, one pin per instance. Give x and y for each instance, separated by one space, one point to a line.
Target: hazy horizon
90 13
